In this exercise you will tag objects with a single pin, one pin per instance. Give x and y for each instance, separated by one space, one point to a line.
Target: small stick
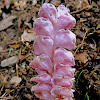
88 7
3 95
17 69
81 43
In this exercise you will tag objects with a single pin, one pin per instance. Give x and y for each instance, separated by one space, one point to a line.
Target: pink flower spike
65 39
53 64
64 57
43 45
65 22
48 11
43 26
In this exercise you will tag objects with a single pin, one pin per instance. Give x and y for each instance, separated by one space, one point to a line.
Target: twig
17 69
88 7
81 43
3 95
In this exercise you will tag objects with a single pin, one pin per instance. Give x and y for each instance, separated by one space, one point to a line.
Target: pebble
9 61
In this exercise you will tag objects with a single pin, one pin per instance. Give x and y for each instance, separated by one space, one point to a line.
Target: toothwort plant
53 63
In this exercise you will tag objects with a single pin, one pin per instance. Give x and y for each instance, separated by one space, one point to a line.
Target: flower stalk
53 63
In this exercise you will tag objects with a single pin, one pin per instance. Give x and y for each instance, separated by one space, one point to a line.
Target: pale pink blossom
53 64
65 39
43 45
64 57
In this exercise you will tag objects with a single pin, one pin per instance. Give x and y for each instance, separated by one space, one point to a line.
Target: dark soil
87 56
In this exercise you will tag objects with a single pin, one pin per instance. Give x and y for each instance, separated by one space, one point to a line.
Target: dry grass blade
81 43
4 50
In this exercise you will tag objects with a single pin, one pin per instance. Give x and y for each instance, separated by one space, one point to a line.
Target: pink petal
43 26
62 10
61 92
43 45
62 81
48 11
44 78
65 22
41 88
42 62
64 57
63 70
65 39
41 71
47 96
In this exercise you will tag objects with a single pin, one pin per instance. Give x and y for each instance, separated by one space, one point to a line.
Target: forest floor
16 47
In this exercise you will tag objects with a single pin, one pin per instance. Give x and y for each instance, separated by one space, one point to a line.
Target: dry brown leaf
28 36
5 23
82 57
15 45
15 80
84 3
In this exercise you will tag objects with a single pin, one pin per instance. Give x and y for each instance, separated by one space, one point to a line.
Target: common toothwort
53 63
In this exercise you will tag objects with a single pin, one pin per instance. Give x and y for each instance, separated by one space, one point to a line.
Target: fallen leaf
5 23
28 36
84 3
82 57
15 45
15 80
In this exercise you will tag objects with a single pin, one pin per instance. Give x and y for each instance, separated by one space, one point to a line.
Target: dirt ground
16 47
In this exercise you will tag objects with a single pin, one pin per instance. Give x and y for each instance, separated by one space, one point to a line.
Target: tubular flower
53 63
